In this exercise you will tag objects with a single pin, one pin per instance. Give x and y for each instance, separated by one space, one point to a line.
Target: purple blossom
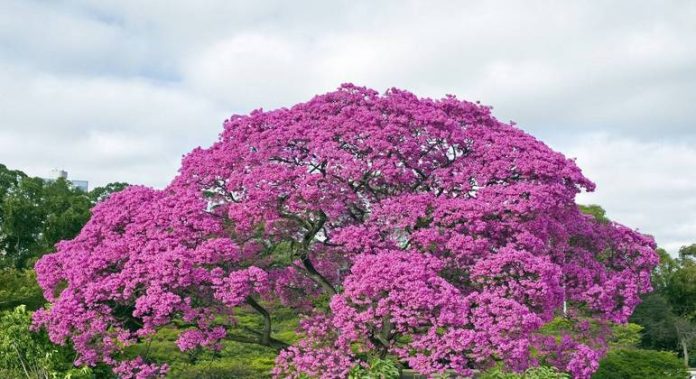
442 236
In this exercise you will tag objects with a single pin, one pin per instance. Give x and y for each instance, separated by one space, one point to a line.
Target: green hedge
218 370
641 364
541 372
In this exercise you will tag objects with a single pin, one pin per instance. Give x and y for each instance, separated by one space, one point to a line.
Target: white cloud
101 129
118 90
646 185
254 70
569 67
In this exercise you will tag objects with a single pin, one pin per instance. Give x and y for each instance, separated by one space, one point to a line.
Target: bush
377 369
541 372
27 354
625 336
217 370
640 364
19 287
235 360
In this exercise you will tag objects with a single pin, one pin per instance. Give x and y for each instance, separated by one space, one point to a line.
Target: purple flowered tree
424 231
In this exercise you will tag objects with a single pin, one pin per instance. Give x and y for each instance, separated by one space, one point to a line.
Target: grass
235 359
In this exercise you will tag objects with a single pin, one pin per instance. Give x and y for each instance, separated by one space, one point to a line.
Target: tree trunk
685 351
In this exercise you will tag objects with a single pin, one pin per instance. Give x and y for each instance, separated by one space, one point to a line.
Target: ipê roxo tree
422 231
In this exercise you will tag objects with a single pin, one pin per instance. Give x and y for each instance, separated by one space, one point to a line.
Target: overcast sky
120 90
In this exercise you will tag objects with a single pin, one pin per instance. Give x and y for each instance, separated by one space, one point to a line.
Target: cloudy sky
119 90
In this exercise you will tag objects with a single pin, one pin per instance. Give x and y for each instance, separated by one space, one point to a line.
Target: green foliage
22 222
31 355
9 179
220 369
669 314
688 252
19 287
234 360
595 211
665 269
237 360
35 214
625 336
557 326
541 372
640 364
65 210
101 193
681 285
583 329
377 369
655 315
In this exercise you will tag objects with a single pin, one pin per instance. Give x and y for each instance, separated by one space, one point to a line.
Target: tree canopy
36 213
422 231
669 313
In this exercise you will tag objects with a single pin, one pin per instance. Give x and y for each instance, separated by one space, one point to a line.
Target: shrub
541 372
625 336
377 369
217 370
19 287
640 364
26 354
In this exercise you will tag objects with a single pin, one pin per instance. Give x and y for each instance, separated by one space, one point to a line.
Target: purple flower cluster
139 369
442 237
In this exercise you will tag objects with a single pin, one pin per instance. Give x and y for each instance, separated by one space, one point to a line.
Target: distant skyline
120 90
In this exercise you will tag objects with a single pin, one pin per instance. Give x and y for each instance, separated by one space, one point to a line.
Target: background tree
22 222
595 211
9 179
656 317
669 314
32 355
640 364
35 214
102 193
19 287
65 209
681 291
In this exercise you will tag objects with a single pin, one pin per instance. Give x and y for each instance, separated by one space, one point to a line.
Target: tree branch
304 255
265 336
316 276
312 229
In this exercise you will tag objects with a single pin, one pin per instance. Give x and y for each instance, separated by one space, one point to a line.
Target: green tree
100 193
655 315
595 211
35 214
19 287
669 314
681 292
65 210
640 364
31 355
625 336
9 179
22 221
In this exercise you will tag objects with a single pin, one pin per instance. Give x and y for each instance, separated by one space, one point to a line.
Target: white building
57 174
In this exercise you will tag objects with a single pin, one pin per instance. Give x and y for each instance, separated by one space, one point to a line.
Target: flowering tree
419 230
